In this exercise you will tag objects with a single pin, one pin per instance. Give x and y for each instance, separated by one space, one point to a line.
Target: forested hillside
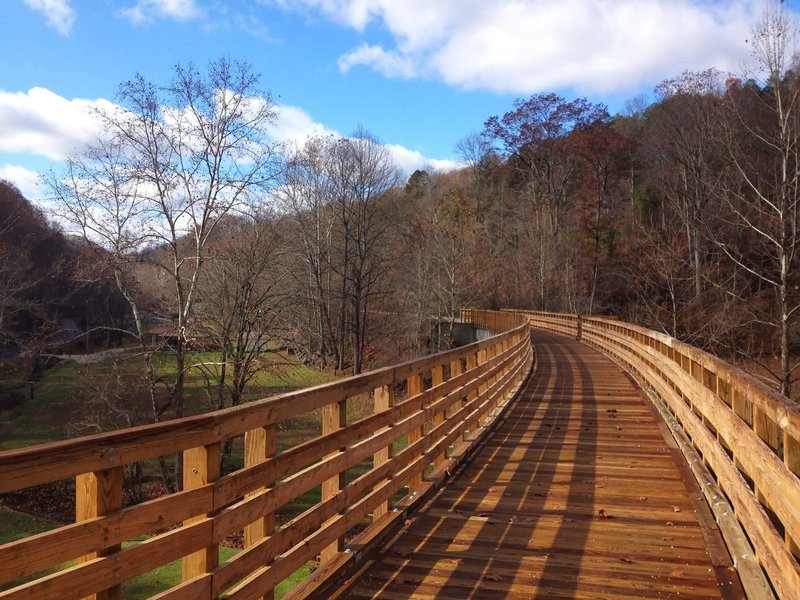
46 277
197 230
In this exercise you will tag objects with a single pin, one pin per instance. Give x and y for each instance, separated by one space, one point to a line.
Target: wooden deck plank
576 494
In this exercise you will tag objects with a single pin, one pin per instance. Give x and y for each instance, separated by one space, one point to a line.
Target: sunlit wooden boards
576 494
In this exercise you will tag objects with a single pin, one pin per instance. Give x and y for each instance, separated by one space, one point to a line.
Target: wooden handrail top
782 410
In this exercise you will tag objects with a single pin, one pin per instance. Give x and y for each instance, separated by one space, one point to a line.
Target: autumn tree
533 135
453 233
601 198
364 173
532 138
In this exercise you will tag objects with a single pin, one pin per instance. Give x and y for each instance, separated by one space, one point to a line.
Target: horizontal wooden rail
747 434
428 413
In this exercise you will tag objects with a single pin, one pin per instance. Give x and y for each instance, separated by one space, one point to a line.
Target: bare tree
172 161
683 128
305 195
365 172
761 194
243 298
334 189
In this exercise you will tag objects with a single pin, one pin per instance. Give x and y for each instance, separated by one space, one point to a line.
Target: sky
420 75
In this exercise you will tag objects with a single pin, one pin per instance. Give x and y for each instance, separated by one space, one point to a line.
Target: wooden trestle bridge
564 457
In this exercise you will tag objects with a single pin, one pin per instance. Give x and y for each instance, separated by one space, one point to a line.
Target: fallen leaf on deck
677 573
491 577
676 509
603 514
626 560
642 498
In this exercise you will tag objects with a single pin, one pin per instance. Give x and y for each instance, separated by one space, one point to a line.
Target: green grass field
15 525
66 392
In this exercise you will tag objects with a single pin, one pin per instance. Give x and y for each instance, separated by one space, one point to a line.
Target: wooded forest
185 226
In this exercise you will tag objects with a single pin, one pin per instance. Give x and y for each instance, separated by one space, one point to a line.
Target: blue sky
418 74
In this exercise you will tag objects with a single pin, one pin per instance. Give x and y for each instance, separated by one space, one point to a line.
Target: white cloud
410 160
293 124
45 124
145 10
42 123
59 13
26 180
525 47
391 64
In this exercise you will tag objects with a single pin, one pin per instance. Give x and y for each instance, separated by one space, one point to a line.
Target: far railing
747 434
428 415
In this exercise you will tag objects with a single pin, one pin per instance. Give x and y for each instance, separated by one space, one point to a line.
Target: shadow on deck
579 492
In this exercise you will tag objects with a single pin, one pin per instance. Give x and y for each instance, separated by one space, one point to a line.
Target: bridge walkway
579 492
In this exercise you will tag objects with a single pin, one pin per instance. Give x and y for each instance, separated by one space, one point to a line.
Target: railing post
791 457
383 400
456 369
766 429
579 328
483 356
505 347
98 494
201 465
493 352
413 388
437 378
334 417
742 406
260 445
472 363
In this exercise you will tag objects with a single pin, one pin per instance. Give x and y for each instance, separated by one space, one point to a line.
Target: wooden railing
747 435
428 414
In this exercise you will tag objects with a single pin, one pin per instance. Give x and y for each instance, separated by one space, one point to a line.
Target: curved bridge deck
578 493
